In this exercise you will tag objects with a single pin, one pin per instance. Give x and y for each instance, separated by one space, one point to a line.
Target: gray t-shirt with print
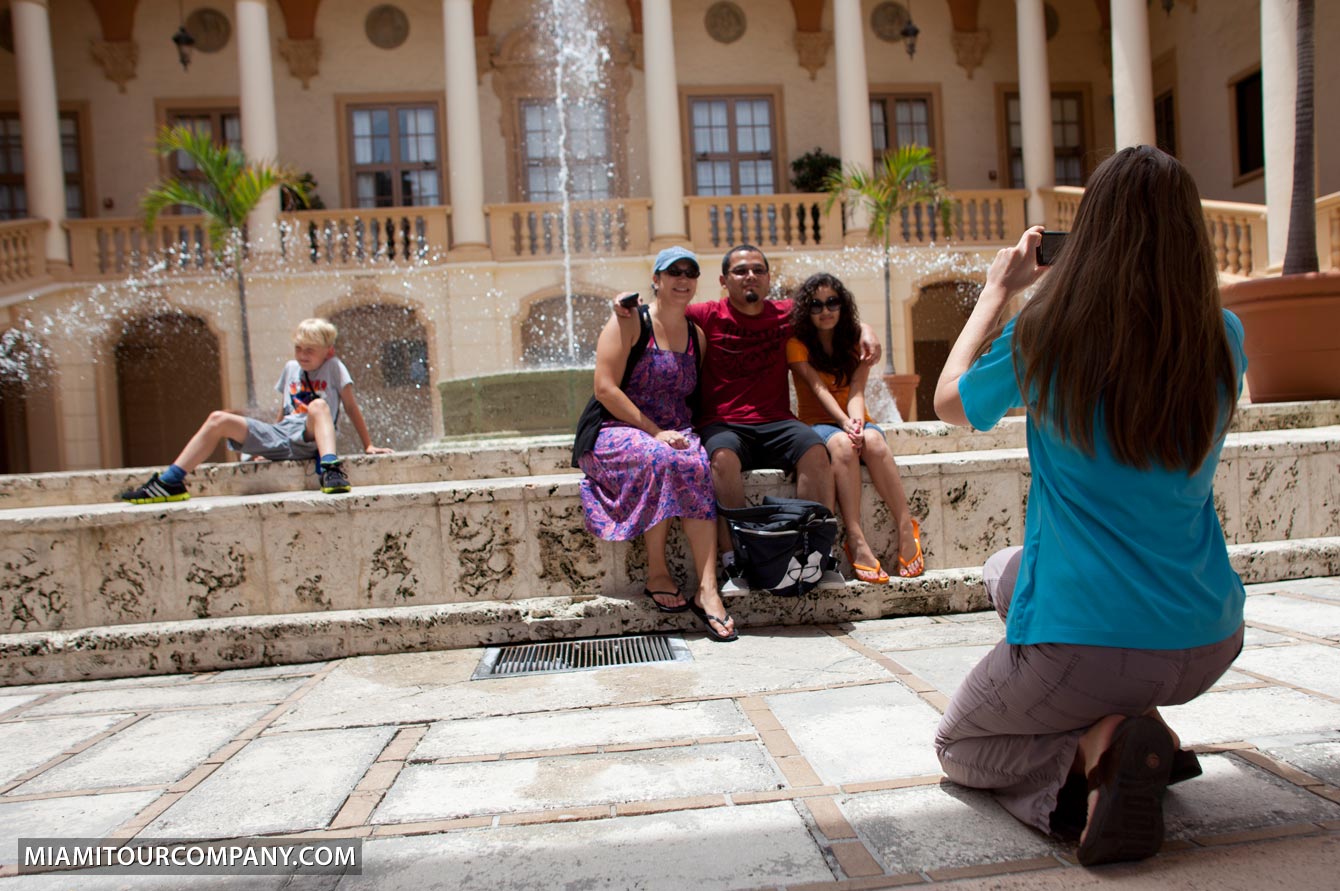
297 388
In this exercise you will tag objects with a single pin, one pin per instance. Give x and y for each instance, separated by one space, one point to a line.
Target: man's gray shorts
277 442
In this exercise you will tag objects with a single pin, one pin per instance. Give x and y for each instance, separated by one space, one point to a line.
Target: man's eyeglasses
742 271
682 271
834 303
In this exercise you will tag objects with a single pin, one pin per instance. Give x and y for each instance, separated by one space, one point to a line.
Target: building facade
440 134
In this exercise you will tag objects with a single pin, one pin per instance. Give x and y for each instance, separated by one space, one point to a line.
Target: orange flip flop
905 567
874 575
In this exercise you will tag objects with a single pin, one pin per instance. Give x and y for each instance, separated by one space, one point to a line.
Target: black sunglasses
834 303
682 271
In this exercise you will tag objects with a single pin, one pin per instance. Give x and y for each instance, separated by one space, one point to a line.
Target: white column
1035 105
1132 74
465 147
853 98
39 118
1279 92
260 128
664 155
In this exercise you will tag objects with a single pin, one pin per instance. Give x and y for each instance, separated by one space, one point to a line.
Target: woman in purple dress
647 464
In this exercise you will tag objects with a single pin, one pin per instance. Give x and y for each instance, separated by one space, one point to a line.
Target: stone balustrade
772 222
109 247
357 237
22 259
594 228
1238 234
1328 231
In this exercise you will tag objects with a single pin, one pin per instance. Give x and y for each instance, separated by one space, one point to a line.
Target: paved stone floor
798 757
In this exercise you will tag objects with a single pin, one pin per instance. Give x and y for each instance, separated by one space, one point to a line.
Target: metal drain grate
580 655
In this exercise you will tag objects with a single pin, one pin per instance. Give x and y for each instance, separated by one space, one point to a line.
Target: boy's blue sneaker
333 480
155 491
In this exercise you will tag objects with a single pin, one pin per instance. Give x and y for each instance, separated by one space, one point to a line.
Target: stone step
472 541
518 456
247 641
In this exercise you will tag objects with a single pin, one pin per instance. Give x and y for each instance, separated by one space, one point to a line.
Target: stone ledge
248 641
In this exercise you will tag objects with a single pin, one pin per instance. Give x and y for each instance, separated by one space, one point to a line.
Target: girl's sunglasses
834 303
682 271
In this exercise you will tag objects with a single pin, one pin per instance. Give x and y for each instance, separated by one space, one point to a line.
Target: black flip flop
650 595
703 616
1130 778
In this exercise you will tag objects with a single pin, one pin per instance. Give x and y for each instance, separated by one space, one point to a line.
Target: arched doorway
937 318
544 332
385 348
168 380
28 439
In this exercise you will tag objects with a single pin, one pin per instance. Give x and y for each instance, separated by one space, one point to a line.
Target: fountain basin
533 402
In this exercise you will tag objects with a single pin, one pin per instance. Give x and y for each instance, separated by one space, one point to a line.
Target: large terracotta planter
1293 335
903 389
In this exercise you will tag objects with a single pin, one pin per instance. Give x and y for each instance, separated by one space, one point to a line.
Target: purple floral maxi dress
634 481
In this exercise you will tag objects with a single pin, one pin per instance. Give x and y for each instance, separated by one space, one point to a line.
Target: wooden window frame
346 102
931 93
1259 172
612 146
774 93
80 112
1004 90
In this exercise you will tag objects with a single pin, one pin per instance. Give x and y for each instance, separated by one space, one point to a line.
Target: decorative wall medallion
725 22
210 28
1053 20
887 21
386 26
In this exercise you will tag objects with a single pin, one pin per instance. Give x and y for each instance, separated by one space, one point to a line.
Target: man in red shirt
745 420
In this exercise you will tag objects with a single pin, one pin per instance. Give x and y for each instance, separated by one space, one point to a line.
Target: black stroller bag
784 545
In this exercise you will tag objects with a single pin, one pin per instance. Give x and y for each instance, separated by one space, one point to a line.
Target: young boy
314 386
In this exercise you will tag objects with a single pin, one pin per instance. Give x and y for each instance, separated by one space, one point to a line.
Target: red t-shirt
744 365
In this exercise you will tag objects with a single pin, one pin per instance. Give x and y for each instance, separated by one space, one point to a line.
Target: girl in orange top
830 394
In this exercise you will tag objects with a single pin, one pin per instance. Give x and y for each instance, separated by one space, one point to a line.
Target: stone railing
1238 233
981 216
1060 205
121 245
618 227
362 236
1328 231
773 222
22 253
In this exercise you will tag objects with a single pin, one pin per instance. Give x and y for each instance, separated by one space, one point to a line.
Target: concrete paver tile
1305 616
707 850
440 791
1232 796
829 818
582 727
1318 756
880 731
1232 715
1326 588
937 634
9 702
285 783
945 667
1254 637
145 698
941 827
1307 665
84 816
84 882
30 744
162 748
434 686
267 671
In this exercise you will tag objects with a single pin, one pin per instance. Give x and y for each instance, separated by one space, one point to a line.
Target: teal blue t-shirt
1114 556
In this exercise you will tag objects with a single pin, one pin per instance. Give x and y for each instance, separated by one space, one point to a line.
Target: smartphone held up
628 301
1050 247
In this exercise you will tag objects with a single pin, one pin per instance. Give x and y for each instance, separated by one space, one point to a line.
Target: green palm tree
1300 252
229 189
902 180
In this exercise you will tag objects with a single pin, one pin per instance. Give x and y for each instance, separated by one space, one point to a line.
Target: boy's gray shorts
277 442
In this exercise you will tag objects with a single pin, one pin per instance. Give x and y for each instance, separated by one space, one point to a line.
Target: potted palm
1292 321
228 190
901 181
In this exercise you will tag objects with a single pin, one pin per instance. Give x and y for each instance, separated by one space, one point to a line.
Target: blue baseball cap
667 257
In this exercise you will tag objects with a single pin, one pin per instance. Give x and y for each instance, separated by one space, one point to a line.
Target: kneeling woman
1121 599
647 464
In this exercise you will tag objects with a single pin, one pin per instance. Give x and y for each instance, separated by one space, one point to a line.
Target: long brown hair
1128 321
845 358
